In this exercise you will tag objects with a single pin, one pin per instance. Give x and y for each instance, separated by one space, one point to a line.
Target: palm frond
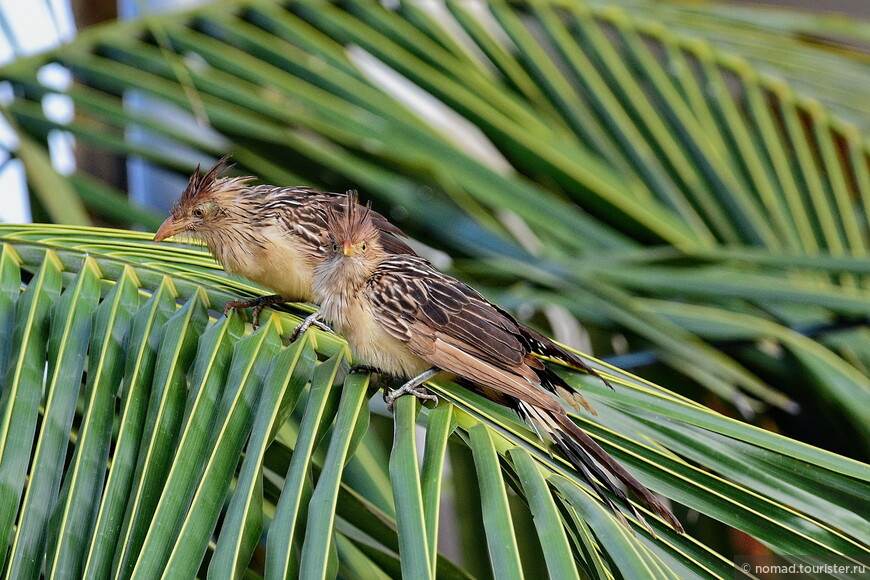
196 444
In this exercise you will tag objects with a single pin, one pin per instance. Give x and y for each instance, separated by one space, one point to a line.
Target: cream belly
370 342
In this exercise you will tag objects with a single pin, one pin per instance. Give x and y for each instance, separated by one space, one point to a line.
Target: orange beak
347 248
168 229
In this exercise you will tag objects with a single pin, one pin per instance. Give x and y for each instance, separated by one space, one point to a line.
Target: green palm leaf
286 493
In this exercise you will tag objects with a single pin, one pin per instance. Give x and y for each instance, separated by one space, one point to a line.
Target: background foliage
687 182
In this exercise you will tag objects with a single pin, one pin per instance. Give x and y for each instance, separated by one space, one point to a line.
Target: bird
404 318
273 236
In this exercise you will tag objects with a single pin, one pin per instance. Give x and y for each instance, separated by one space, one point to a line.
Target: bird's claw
296 332
258 304
255 316
234 304
408 389
322 326
310 321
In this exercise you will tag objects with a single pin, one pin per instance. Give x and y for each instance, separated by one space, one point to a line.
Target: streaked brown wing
451 326
303 211
410 292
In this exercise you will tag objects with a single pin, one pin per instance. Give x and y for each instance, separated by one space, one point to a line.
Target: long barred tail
540 344
594 463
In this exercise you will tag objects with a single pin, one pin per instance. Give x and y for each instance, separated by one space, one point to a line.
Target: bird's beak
347 248
168 229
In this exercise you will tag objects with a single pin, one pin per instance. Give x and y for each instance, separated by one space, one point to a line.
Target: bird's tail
594 463
540 344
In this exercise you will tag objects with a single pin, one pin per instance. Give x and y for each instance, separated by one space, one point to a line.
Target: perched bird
273 236
404 318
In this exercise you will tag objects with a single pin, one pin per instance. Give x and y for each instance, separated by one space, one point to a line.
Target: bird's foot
413 387
322 326
311 320
258 303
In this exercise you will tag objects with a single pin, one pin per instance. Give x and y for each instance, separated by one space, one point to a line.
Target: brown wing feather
408 290
302 210
451 326
516 381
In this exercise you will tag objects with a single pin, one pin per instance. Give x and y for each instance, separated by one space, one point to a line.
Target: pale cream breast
370 343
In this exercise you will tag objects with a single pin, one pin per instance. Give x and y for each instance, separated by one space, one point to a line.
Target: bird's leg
259 303
410 388
310 320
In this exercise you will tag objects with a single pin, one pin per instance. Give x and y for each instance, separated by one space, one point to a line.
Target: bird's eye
362 246
334 246
204 210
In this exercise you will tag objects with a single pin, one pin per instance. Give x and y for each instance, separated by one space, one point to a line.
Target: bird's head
354 239
204 205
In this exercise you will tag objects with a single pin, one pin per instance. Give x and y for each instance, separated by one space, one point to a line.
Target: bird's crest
202 186
350 221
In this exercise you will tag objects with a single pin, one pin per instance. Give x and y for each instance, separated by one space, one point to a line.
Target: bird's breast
352 317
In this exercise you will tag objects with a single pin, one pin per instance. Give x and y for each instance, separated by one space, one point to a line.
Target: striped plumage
273 236
402 316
